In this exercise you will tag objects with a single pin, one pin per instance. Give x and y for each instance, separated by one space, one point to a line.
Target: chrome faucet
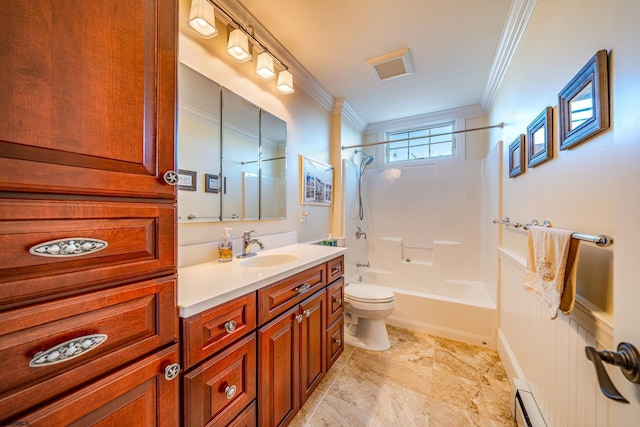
247 241
363 264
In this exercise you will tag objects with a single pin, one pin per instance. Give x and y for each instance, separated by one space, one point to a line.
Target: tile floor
420 381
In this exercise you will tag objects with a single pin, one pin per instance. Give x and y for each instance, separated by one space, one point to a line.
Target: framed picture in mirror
187 180
516 157
583 104
540 138
211 183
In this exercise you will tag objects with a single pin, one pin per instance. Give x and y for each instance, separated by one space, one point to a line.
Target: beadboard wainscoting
550 354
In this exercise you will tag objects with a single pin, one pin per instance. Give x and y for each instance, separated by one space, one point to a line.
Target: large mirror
231 155
240 152
273 170
198 147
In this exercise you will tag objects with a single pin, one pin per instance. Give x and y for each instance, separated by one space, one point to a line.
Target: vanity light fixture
264 66
238 46
240 42
285 82
202 19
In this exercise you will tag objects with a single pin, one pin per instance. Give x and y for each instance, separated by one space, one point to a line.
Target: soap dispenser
225 246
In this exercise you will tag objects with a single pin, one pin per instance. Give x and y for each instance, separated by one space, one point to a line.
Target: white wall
308 132
574 191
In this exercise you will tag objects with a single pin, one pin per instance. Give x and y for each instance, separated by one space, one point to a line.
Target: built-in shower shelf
391 239
446 242
427 263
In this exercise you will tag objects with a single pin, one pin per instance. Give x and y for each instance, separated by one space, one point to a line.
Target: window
419 144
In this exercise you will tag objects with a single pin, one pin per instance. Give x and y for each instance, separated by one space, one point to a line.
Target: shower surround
423 225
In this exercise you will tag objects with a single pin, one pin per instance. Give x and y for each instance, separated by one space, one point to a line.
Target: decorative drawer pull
67 350
171 177
230 326
171 371
71 247
307 313
230 391
338 301
303 288
338 341
299 318
336 269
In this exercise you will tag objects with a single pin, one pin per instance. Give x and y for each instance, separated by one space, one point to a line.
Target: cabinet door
88 97
312 344
137 395
278 369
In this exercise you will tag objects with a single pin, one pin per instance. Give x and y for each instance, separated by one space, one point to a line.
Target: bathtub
454 309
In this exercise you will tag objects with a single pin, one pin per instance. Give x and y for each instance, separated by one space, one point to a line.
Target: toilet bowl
365 312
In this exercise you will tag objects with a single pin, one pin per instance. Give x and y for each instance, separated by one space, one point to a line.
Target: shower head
367 159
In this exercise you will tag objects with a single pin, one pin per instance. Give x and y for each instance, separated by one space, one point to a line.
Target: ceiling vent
392 65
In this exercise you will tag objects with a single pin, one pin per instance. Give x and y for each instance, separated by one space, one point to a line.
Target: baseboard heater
526 411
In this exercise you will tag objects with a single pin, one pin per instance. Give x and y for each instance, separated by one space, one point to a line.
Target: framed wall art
187 180
211 183
583 104
516 157
540 138
316 182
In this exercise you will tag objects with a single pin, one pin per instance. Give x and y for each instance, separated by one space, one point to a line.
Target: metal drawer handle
67 350
70 247
303 288
230 326
230 391
307 313
299 318
171 371
338 341
336 269
338 301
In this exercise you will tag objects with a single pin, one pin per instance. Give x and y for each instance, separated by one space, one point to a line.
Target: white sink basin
268 260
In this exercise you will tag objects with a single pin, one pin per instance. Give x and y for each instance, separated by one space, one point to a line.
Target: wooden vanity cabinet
87 219
219 354
335 321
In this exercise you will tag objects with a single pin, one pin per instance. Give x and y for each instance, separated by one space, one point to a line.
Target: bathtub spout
363 264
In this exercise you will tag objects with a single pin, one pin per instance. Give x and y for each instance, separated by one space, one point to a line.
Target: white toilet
365 312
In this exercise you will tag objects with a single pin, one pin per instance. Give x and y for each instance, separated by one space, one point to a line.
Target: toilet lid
368 293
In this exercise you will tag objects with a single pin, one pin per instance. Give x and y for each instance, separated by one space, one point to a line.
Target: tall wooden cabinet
88 320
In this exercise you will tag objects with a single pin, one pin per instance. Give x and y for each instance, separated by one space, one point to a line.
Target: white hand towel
551 268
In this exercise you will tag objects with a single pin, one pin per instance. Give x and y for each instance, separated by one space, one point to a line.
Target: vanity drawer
139 239
335 268
248 417
218 390
279 297
106 328
210 331
335 341
335 300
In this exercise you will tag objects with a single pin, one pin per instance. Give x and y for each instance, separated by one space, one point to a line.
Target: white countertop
206 285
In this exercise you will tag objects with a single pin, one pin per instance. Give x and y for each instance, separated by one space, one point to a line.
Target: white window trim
458 125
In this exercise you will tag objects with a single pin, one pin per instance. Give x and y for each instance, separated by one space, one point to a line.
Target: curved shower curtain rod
500 125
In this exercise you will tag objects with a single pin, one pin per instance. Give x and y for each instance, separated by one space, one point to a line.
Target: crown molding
303 78
519 15
468 111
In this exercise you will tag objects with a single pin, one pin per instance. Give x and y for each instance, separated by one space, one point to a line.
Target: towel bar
601 240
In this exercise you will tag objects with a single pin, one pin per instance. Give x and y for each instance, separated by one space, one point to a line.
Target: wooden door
88 97
278 369
312 344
